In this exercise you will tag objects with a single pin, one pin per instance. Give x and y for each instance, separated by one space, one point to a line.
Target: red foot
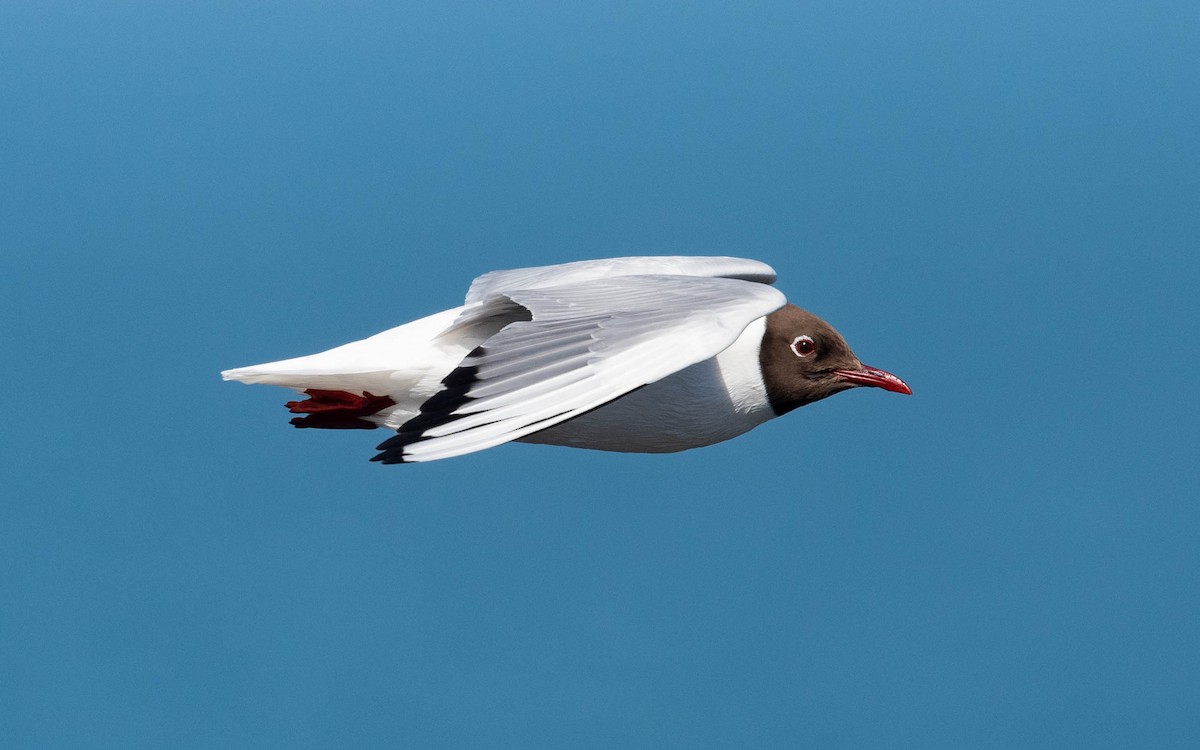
337 409
339 402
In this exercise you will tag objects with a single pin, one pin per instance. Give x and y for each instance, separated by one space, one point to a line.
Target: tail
363 384
337 399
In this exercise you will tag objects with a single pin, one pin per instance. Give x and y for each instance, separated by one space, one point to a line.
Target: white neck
740 369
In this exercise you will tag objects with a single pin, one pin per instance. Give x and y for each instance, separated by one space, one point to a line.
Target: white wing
585 345
562 274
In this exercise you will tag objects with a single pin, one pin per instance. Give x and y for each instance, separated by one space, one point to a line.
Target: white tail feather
393 362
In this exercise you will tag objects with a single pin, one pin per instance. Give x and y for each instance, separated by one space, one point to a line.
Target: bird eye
803 346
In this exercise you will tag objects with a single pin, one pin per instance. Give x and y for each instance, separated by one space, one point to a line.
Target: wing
585 345
539 277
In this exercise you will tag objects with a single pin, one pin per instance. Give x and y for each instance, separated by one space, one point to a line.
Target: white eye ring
803 346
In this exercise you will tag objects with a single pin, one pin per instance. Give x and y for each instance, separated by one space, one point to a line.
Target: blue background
998 201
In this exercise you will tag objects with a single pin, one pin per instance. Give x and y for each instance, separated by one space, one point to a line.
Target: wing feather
583 345
565 274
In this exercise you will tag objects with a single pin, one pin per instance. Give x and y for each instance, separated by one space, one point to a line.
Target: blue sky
999 202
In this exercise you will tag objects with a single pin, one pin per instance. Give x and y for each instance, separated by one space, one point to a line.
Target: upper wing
585 345
539 277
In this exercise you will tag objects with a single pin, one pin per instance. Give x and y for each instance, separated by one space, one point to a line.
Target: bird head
804 360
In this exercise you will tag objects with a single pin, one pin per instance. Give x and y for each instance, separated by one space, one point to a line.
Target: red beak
875 378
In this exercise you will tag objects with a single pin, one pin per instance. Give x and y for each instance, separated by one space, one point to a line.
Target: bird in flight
648 354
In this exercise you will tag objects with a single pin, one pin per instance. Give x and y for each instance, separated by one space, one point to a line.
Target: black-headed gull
641 354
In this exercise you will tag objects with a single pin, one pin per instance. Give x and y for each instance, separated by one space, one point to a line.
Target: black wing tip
437 410
390 454
390 457
391 451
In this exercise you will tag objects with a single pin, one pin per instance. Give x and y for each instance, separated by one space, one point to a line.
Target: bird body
639 354
705 403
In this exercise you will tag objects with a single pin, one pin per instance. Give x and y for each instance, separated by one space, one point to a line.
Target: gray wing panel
565 274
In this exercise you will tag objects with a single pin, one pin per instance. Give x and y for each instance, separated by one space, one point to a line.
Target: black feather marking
390 457
400 440
392 449
436 411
